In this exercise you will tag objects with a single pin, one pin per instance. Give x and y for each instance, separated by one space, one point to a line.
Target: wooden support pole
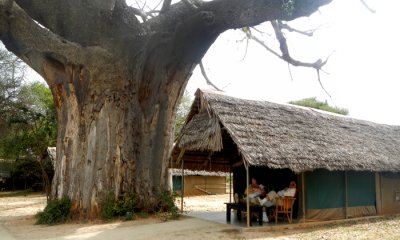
230 187
247 195
182 186
303 196
378 193
346 205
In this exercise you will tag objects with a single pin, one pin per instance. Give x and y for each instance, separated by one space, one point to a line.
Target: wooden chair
284 206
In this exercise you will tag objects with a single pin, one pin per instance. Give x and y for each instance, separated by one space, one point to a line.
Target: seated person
255 191
270 199
289 191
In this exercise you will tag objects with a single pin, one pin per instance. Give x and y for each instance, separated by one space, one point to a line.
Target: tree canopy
28 122
12 72
33 126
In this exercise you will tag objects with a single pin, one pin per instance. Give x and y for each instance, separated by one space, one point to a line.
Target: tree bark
113 137
116 83
45 178
116 125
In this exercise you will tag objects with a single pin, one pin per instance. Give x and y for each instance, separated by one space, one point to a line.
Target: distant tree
25 173
27 120
183 110
12 72
34 128
314 103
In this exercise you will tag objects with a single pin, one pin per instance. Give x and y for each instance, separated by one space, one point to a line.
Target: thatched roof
178 172
283 136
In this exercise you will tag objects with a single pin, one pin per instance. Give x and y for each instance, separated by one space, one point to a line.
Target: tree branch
259 41
208 81
85 22
290 71
282 25
317 65
320 83
36 45
194 4
140 13
368 7
165 6
237 13
199 26
247 48
49 13
285 50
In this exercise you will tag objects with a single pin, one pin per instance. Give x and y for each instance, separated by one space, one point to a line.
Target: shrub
167 206
129 216
125 204
143 214
123 207
108 206
56 211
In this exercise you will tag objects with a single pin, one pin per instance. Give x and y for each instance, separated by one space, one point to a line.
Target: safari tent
198 182
344 167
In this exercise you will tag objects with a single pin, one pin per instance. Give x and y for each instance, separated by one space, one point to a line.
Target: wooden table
239 207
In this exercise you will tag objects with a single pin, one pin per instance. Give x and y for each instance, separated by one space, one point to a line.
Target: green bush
56 211
167 206
143 214
126 206
123 207
129 216
108 206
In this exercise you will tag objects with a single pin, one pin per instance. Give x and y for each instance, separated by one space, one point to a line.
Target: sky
361 73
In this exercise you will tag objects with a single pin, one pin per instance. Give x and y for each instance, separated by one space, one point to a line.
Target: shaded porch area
212 208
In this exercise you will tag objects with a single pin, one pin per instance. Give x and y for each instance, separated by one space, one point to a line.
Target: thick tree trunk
116 114
116 133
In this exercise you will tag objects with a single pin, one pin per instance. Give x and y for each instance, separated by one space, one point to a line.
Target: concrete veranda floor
220 217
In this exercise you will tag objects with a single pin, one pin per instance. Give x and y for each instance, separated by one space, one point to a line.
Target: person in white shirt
270 199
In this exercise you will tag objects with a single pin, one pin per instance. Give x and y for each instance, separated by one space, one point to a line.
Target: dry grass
376 228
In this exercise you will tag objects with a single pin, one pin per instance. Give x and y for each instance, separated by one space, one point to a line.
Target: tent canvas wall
339 194
343 162
388 197
200 185
198 182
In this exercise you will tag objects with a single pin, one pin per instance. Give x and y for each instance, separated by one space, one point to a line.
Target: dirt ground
17 222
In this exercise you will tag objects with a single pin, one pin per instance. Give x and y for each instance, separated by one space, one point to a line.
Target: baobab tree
117 74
